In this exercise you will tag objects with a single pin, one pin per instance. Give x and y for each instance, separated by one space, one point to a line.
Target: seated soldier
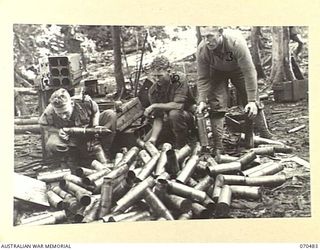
64 111
170 100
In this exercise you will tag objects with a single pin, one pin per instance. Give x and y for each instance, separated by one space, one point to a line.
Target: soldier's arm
203 72
247 67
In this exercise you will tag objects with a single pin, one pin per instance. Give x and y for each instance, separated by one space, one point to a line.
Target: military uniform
82 114
180 120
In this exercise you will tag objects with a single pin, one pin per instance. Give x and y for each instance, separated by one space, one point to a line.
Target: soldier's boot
217 124
261 126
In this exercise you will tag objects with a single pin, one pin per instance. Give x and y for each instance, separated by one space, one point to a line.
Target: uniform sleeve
46 117
181 93
247 67
203 71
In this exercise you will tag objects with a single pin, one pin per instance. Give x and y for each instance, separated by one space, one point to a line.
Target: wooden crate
291 91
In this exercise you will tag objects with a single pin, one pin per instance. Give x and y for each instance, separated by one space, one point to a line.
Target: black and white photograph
132 123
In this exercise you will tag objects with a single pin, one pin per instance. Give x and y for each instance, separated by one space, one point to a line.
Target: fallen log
24 129
26 121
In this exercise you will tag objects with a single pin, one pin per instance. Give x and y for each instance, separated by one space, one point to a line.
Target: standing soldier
223 55
170 100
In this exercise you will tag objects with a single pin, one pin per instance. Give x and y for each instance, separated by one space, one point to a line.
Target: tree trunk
117 60
198 35
20 108
281 70
256 44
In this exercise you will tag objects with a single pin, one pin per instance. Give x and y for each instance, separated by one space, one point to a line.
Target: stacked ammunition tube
146 182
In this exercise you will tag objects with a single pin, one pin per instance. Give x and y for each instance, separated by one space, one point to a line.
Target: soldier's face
160 76
211 37
66 113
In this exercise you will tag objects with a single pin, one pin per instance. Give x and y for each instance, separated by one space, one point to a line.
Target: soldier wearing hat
64 111
170 101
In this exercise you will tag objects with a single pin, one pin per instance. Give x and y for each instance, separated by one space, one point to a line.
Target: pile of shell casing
146 183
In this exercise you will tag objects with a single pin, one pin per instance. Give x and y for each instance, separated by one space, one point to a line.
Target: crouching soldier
65 112
171 101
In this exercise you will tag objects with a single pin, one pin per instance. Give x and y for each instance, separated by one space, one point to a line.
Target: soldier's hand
148 111
251 109
201 107
63 135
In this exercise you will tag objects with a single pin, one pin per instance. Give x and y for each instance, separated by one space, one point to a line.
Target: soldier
170 100
64 111
223 55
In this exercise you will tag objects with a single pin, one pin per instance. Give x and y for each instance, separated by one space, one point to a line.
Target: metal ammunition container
121 189
129 156
140 143
202 130
51 219
201 167
246 192
87 131
269 150
133 165
191 182
188 170
72 204
156 205
63 194
209 204
204 183
224 201
196 149
234 179
90 179
172 166
175 202
91 211
55 200
132 174
79 181
82 172
82 195
249 171
140 216
53 176
219 182
283 149
183 153
114 174
78 217
247 158
160 168
99 166
270 180
117 159
268 170
200 212
99 154
134 194
144 156
106 197
248 140
186 191
227 158
160 189
186 216
151 149
148 168
224 168
259 140
122 216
